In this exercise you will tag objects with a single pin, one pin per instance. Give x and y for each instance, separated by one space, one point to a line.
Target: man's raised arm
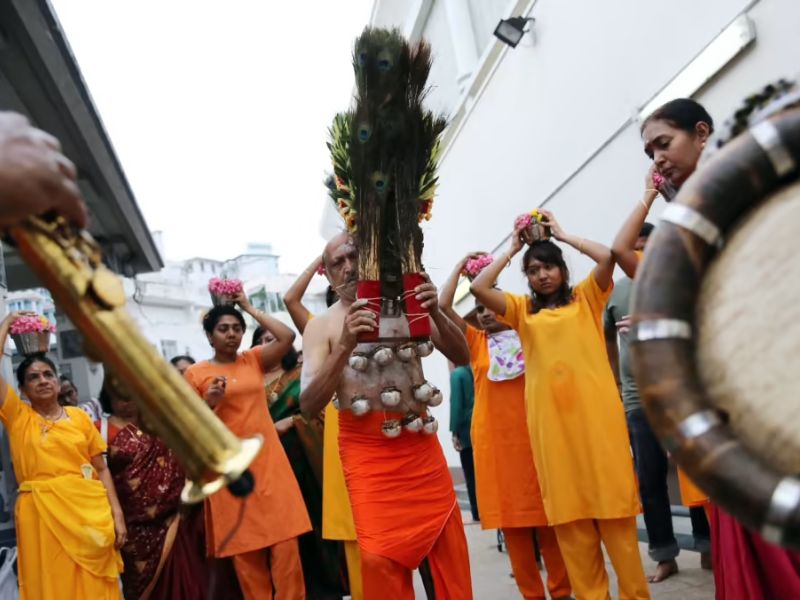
325 360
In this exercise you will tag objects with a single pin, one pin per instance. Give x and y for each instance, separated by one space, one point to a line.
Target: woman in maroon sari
163 559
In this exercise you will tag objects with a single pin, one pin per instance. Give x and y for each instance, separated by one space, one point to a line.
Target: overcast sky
218 112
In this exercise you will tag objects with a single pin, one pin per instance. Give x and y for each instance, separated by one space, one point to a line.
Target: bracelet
654 190
508 260
580 245
646 207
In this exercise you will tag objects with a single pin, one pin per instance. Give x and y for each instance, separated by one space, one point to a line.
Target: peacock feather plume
384 153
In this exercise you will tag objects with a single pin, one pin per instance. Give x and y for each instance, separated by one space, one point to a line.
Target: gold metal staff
69 263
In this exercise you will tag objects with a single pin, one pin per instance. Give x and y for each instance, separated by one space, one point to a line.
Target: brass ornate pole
69 263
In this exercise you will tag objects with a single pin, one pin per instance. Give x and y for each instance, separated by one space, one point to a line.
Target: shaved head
340 258
333 245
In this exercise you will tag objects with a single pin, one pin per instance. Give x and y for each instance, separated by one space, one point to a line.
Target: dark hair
65 379
28 361
257 335
646 230
105 398
682 113
290 359
551 255
215 314
331 297
176 359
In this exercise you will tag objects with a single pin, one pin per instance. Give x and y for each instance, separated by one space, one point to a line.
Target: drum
716 349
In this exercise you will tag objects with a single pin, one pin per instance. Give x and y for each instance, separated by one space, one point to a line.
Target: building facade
169 305
40 78
555 121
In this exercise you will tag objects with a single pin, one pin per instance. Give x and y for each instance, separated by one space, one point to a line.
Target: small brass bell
383 356
423 393
359 406
391 428
430 425
407 352
358 362
425 348
412 422
436 398
390 397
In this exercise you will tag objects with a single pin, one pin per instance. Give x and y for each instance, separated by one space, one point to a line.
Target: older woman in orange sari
69 521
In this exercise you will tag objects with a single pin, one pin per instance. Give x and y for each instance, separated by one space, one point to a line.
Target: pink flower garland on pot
530 227
31 335
224 290
475 265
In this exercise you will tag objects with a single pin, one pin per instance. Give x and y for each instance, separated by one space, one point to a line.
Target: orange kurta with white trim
505 475
576 421
274 511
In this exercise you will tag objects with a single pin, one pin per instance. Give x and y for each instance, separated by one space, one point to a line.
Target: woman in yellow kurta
69 522
337 515
575 418
507 486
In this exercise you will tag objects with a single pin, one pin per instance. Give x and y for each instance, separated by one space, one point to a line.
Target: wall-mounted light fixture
510 31
720 51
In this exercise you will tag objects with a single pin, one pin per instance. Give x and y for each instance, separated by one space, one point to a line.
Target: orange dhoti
404 508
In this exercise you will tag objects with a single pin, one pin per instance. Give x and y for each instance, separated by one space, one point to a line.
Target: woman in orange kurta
507 486
575 418
260 531
69 521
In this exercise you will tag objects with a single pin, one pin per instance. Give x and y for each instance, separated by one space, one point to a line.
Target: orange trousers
449 561
274 572
521 551
580 546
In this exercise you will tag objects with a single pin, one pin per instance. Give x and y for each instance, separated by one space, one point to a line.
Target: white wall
567 93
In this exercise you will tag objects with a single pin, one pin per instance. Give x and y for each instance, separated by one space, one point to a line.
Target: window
169 348
71 344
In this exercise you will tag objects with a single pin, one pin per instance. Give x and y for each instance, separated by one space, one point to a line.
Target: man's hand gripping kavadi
367 348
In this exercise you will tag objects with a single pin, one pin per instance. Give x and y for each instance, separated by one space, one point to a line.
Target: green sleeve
457 399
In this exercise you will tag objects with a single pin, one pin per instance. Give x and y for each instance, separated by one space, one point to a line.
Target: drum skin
749 331
719 196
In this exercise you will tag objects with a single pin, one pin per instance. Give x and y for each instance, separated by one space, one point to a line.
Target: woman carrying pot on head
575 419
507 486
68 518
674 137
259 531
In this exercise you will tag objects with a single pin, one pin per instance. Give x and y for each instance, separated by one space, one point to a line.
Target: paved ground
491 572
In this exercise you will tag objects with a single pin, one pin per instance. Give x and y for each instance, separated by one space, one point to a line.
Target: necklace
49 423
272 394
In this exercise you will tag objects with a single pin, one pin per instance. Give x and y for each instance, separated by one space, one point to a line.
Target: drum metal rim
663 346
